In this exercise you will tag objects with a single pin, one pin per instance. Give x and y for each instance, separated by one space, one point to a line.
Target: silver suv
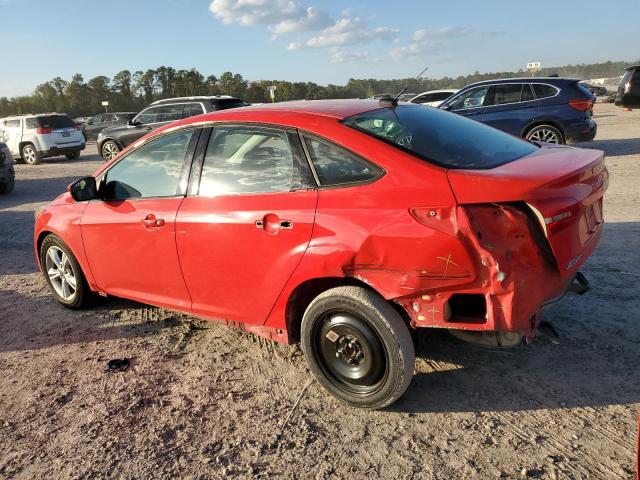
34 137
7 175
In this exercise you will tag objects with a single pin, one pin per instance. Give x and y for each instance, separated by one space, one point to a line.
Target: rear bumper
515 279
56 151
581 132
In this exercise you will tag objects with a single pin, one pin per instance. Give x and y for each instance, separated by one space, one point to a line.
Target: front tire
358 347
109 150
73 156
63 274
545 133
30 155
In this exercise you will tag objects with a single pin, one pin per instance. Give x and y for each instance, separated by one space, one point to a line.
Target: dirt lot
205 401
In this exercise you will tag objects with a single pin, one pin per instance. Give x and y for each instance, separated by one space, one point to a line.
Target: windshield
440 137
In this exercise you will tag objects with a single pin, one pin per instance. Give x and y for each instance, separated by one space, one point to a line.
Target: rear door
12 135
247 221
510 107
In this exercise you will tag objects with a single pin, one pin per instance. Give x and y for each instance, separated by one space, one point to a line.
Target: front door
245 231
129 235
469 104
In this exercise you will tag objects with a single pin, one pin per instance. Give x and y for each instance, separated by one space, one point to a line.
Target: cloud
280 16
417 50
340 55
346 31
439 33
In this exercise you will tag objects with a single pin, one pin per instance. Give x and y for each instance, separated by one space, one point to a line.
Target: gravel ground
205 401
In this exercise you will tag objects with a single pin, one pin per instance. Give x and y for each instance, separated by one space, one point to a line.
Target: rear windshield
443 138
226 104
56 121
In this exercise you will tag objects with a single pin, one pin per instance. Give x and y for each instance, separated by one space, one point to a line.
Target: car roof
442 90
195 98
526 80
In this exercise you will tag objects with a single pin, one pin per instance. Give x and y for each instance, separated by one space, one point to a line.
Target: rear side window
56 121
246 160
31 123
192 109
510 93
169 113
335 166
230 103
443 138
544 91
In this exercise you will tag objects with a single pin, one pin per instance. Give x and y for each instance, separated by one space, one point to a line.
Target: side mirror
133 122
83 189
445 106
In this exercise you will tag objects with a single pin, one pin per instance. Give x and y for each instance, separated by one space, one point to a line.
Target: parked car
596 90
31 138
551 110
433 98
94 125
629 89
341 224
7 174
112 140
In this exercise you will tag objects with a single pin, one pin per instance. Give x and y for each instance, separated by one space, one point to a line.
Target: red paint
418 235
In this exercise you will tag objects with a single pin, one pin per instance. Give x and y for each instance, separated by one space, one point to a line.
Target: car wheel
545 133
7 187
358 347
109 150
30 155
63 274
73 156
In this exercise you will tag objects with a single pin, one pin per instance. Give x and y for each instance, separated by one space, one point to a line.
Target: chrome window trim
514 103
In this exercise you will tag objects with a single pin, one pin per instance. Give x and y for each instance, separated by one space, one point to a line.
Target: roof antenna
409 84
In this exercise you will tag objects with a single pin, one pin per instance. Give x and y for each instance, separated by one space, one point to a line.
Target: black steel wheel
358 347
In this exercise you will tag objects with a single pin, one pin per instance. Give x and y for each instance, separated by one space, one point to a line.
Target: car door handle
151 221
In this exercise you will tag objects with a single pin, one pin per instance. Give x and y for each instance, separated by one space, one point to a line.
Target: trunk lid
563 187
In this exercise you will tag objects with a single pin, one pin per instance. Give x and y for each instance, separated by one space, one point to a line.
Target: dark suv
97 123
552 110
112 140
629 89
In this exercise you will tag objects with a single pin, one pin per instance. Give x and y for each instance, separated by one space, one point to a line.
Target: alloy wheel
29 154
544 135
109 150
60 273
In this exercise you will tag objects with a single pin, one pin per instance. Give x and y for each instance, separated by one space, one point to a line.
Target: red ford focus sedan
343 225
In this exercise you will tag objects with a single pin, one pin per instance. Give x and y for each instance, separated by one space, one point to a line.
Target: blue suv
552 110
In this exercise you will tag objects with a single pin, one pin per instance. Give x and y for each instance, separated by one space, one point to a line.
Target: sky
307 40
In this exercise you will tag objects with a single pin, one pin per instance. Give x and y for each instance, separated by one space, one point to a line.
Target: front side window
170 113
472 98
152 170
424 98
443 138
12 123
246 160
335 166
150 115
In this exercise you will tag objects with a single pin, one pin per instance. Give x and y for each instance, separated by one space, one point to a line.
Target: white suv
34 137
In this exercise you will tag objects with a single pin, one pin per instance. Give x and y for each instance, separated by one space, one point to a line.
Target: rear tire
73 156
358 347
63 274
545 133
30 155
109 150
7 187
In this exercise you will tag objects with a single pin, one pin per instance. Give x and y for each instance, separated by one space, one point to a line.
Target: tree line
128 91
